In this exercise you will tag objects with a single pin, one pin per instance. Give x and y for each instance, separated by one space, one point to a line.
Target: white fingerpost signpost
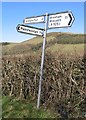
56 20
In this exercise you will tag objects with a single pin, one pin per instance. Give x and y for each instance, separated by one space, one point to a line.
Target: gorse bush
63 85
5 43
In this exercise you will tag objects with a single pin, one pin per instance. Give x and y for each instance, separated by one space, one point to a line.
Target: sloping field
53 43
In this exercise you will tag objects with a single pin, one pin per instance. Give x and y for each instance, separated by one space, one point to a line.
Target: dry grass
35 44
67 49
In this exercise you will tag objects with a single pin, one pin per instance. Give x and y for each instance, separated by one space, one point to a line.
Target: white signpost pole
42 62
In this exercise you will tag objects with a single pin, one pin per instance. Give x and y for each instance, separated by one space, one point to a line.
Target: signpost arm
42 62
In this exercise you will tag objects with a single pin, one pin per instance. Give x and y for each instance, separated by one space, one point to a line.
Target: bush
63 84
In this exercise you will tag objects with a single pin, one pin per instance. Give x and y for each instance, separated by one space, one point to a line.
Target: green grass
0 105
15 108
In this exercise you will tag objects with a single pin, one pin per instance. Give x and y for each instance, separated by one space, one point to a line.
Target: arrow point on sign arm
18 28
71 19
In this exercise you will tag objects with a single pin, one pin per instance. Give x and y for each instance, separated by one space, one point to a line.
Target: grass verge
16 108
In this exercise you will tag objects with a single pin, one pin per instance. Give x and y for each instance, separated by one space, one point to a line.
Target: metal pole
42 62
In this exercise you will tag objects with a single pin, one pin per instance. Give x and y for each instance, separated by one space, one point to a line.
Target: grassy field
15 108
67 49
55 42
72 49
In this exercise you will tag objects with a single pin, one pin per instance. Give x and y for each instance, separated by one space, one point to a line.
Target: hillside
35 44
